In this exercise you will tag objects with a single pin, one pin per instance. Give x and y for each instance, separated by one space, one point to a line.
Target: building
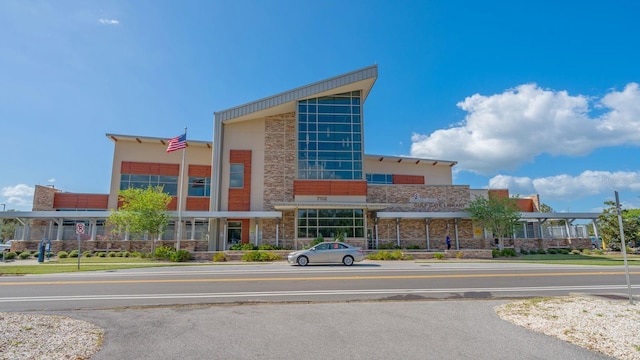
285 170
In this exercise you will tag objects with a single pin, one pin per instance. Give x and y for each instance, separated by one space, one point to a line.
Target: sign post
79 231
623 246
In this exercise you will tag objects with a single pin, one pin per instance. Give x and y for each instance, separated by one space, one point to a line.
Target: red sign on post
80 228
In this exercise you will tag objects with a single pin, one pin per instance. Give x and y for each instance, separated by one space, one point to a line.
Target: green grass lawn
97 263
86 264
576 259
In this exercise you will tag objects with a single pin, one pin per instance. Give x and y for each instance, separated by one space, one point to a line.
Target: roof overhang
86 215
409 160
362 79
152 140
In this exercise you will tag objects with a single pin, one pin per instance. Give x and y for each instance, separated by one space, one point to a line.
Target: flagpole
180 185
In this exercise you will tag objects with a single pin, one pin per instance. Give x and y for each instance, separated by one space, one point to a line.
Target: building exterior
285 170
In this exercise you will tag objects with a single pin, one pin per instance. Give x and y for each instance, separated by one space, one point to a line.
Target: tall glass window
330 137
379 178
199 186
328 223
236 176
169 183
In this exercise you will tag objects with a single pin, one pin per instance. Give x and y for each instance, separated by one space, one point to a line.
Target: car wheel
302 261
347 260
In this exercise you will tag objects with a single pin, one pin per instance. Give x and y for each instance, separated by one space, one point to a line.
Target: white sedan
327 252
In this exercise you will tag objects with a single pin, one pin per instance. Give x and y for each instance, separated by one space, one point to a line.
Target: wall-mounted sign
417 199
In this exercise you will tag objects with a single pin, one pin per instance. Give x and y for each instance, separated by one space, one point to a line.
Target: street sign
80 228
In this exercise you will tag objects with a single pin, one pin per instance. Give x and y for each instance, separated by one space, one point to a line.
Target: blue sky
540 97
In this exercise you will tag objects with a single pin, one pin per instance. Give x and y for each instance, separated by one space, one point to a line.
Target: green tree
499 214
143 211
609 228
545 208
8 228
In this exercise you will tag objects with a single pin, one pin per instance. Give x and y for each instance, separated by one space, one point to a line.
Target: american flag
177 143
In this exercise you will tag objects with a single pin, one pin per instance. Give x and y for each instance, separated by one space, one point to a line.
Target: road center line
319 278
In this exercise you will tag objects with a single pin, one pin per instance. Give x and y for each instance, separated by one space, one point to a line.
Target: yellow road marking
320 278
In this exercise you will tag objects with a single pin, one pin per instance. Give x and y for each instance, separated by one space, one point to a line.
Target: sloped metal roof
366 75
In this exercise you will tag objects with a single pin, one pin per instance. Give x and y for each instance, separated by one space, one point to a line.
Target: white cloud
567 187
504 131
109 21
19 197
52 180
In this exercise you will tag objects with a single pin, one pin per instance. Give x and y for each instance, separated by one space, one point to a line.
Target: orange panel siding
408 179
525 205
130 167
330 187
173 205
197 203
499 193
80 201
200 170
240 199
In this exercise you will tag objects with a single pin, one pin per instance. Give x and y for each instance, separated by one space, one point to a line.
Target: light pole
4 206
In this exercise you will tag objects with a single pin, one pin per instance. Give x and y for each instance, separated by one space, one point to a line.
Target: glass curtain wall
330 137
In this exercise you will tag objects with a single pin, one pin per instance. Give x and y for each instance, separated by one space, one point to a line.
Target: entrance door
234 232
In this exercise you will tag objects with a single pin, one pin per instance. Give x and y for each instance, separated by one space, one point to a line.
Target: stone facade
432 198
280 159
43 197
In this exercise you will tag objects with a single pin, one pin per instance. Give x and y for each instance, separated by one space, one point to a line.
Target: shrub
599 251
495 253
243 247
316 241
586 252
575 252
164 252
389 246
413 247
136 254
524 252
563 251
125 254
508 252
87 254
101 254
260 256
438 256
180 256
542 251
385 255
219 257
553 251
63 254
25 255
73 254
119 254
112 254
10 255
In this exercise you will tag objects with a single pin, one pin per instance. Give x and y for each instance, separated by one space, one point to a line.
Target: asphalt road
268 283
454 329
400 310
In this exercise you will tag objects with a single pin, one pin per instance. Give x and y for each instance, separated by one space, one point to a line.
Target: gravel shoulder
609 327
